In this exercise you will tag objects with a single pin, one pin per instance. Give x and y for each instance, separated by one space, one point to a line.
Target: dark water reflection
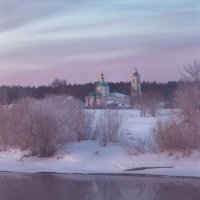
91 187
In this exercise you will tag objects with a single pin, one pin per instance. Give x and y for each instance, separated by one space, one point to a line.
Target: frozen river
16 186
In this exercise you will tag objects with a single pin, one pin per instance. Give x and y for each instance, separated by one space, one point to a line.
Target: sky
76 40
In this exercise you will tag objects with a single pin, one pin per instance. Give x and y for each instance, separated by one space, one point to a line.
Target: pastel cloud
43 40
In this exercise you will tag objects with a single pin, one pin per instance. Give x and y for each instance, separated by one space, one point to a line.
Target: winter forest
9 94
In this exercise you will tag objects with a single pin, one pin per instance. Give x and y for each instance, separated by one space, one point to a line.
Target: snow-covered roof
117 94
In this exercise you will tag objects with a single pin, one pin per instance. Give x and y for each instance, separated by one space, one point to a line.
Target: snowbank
90 157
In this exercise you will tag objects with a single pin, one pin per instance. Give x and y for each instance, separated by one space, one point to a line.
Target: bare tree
153 100
141 104
108 127
58 82
149 102
187 100
191 72
83 125
182 132
77 123
187 96
3 95
135 147
5 128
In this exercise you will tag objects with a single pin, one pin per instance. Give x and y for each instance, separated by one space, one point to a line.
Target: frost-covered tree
108 127
43 126
182 131
191 72
149 102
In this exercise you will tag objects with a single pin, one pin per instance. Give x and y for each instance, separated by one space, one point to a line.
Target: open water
46 186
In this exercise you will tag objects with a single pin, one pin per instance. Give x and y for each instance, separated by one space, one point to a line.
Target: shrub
149 102
177 135
44 134
182 132
108 127
135 147
83 125
5 128
43 126
75 120
187 100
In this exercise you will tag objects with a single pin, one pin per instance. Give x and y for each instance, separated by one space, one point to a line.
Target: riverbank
89 157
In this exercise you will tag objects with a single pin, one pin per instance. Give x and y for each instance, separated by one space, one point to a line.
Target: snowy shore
89 157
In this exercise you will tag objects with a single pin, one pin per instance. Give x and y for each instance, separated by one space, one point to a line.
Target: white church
102 97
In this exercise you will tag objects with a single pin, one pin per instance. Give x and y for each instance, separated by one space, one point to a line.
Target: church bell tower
135 86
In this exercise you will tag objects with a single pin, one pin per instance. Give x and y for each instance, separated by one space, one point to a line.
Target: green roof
92 94
102 84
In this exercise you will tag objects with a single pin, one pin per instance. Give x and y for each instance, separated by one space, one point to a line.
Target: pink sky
44 40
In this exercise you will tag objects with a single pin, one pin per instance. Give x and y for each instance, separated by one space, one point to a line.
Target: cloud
48 35
14 14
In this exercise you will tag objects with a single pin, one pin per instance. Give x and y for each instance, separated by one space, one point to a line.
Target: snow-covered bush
187 100
43 126
75 120
5 128
136 146
37 126
83 125
175 134
154 98
141 104
108 127
149 102
66 109
182 132
11 121
42 131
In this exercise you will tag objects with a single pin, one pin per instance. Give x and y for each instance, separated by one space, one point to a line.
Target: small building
93 100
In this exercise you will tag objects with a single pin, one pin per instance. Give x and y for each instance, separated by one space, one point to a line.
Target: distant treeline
9 94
